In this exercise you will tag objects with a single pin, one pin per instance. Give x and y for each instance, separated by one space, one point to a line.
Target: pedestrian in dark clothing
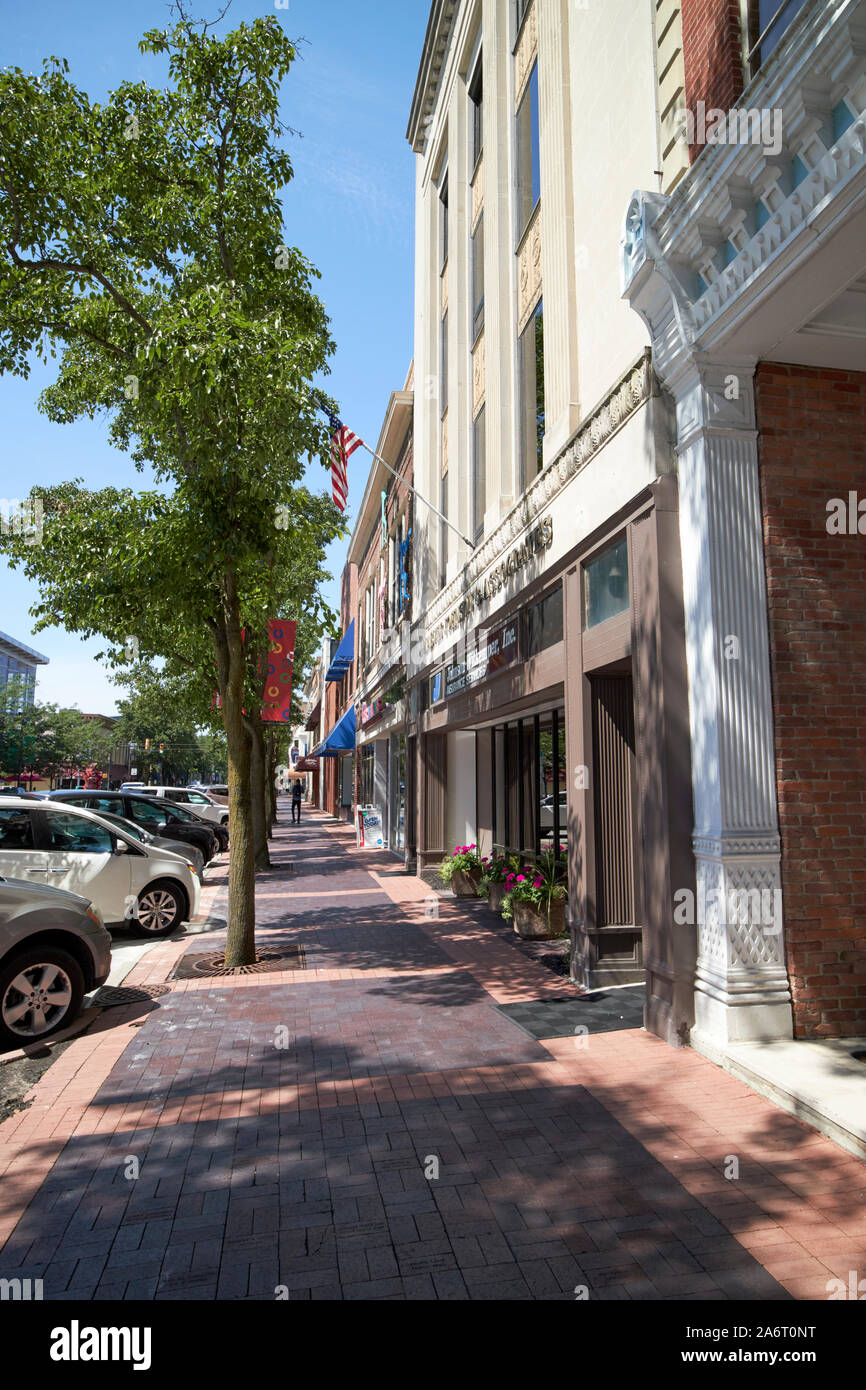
297 795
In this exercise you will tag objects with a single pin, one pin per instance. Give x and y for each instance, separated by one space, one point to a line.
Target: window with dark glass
476 113
443 222
544 623
522 7
479 473
477 261
606 586
528 154
443 529
530 366
768 22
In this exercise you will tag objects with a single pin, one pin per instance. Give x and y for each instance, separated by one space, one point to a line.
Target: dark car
158 816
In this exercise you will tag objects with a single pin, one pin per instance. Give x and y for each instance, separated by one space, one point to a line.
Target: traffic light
162 748
147 745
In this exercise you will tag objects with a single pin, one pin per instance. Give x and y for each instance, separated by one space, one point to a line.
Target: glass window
479 473
768 22
443 529
522 7
476 113
174 795
528 154
75 835
16 829
477 260
530 365
606 587
443 222
544 623
145 814
195 799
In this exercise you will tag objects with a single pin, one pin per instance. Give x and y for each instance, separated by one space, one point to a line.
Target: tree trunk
241 932
259 794
270 784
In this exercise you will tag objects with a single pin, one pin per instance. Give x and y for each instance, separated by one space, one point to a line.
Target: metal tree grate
209 965
109 996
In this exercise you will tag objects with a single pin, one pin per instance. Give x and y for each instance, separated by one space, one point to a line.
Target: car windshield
127 826
175 812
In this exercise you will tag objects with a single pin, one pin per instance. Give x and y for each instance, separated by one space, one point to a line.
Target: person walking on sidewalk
297 794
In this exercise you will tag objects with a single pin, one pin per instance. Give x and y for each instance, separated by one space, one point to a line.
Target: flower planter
532 923
495 894
465 882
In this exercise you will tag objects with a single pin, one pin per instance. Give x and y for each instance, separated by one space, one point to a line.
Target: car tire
162 906
65 981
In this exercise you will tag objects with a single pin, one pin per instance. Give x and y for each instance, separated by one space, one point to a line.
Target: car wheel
41 990
161 908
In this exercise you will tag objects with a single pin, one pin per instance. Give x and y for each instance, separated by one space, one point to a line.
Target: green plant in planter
539 884
494 867
465 859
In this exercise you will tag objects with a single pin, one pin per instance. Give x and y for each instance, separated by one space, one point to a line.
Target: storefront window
366 779
398 793
544 623
528 791
606 587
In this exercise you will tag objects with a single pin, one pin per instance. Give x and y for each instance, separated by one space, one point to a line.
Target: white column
741 984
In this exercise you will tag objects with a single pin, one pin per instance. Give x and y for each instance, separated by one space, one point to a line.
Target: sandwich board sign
370 828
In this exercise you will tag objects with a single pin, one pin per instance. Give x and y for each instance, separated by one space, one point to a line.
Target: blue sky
349 208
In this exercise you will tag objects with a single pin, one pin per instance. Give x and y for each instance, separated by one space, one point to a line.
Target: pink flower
521 878
536 883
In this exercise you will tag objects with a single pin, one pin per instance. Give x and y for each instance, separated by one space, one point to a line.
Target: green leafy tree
142 240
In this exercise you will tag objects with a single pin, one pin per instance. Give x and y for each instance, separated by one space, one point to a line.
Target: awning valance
343 656
341 739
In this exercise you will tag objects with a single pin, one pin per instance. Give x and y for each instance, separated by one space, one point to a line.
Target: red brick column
712 55
812 447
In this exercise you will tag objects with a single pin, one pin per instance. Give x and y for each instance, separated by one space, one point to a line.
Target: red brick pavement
370 1127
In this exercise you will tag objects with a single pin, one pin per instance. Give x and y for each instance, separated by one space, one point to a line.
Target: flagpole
417 495
409 488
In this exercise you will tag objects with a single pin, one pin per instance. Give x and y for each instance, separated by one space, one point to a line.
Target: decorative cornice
698 259
630 392
433 54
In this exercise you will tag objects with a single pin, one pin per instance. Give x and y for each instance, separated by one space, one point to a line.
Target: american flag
343 444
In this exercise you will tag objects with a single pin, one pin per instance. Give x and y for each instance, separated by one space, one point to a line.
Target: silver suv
54 949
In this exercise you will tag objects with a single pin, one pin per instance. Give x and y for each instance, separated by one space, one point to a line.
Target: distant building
17 659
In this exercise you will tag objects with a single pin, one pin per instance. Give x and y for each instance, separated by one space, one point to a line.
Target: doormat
602 1011
109 996
208 965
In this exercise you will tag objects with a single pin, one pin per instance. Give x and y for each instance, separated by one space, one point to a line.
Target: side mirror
121 847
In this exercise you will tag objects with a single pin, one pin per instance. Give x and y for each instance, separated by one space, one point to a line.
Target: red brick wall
712 56
812 447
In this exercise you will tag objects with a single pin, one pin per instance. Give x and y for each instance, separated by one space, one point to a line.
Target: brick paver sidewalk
370 1127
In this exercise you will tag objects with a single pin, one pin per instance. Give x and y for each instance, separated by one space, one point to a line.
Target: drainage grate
108 996
209 965
603 1011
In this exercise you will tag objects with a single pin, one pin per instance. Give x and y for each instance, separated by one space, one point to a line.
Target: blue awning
341 739
343 656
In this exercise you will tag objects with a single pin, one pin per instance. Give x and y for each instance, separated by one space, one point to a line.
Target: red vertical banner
276 707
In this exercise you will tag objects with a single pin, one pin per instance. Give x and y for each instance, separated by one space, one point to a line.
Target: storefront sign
369 828
496 651
539 539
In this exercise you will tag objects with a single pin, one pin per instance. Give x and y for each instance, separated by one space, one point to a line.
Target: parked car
54 949
69 847
198 801
20 792
159 817
546 812
193 856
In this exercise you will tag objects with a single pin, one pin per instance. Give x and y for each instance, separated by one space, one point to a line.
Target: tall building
18 664
636 631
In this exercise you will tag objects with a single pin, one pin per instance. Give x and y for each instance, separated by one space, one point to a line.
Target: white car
68 847
196 801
